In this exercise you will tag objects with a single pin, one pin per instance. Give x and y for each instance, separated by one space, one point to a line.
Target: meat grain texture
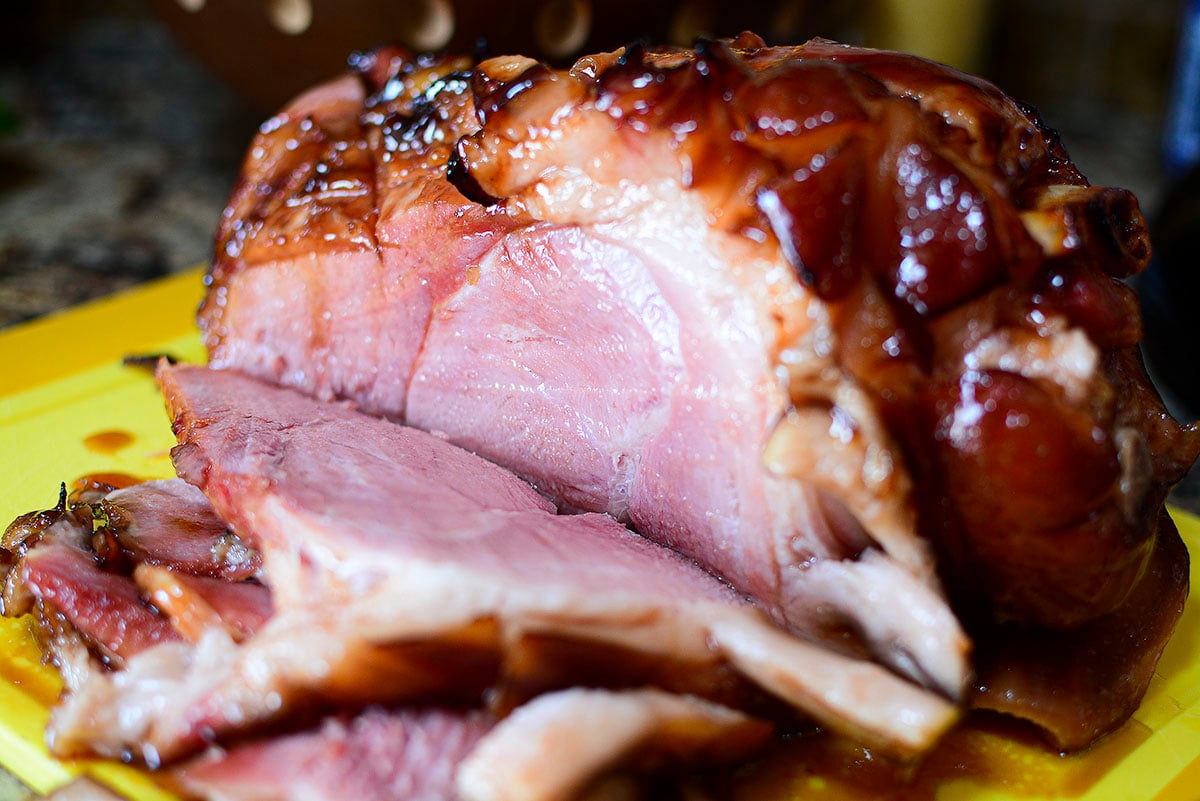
840 335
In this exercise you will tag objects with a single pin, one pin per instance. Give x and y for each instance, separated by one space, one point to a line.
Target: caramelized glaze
108 442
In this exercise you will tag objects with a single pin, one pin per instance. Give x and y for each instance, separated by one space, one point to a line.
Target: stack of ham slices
566 430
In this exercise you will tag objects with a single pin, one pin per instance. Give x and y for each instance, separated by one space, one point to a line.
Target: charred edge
1032 113
459 176
1055 149
27 529
147 361
1122 229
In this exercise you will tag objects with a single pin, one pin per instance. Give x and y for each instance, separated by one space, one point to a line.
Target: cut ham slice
553 749
171 523
105 608
120 570
403 568
375 756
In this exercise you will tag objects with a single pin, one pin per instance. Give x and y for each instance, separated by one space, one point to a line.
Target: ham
374 756
840 325
469 320
106 609
735 384
171 523
597 732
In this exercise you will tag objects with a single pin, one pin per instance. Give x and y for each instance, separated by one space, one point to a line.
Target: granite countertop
117 153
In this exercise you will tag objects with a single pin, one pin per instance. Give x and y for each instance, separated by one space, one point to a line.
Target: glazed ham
747 387
844 326
89 566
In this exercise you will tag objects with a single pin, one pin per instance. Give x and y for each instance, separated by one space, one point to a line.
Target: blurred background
122 122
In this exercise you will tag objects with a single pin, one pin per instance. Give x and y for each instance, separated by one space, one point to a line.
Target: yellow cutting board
69 408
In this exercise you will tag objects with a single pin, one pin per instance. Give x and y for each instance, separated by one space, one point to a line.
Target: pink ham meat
106 609
171 523
375 756
846 327
405 569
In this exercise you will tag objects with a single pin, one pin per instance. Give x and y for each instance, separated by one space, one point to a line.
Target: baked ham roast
844 326
841 336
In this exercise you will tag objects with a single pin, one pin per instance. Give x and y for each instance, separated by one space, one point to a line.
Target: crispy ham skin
404 569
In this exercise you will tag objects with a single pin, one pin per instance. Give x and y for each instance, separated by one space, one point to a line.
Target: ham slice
171 523
558 747
594 732
123 569
105 608
374 756
403 568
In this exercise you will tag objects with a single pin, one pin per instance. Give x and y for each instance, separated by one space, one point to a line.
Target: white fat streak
1057 353
589 732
